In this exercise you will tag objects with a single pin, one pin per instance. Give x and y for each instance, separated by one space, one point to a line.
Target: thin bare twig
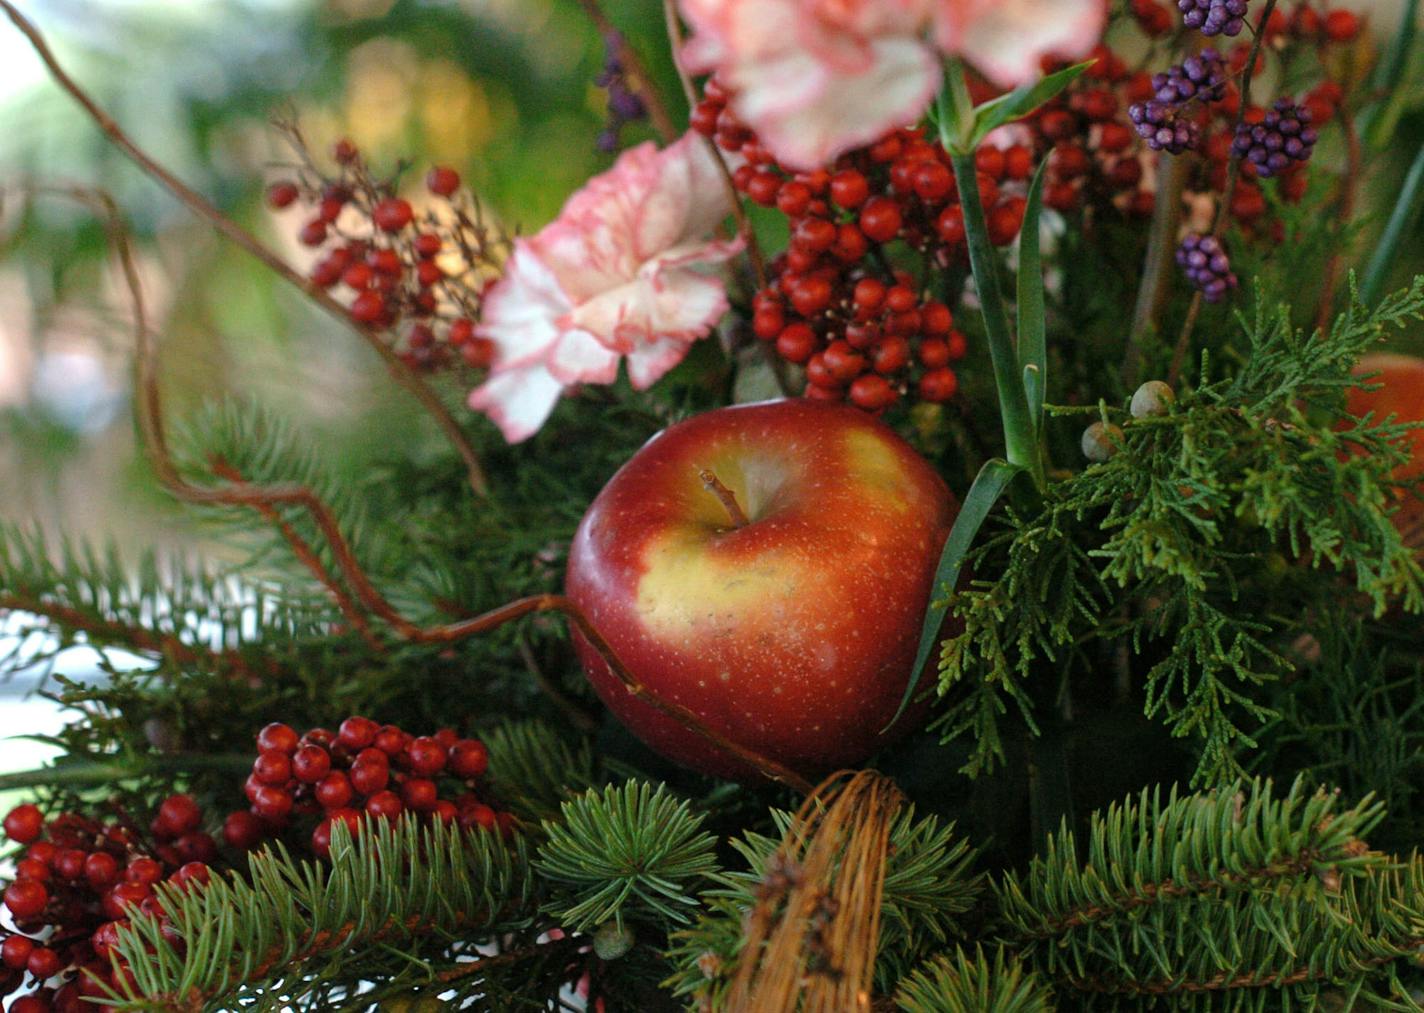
200 206
1233 173
1157 268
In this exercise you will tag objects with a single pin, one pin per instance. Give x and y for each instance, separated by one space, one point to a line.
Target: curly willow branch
200 206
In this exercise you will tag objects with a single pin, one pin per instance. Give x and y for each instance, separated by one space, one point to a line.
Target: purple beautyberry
1206 266
1282 137
1214 17
1201 77
1163 127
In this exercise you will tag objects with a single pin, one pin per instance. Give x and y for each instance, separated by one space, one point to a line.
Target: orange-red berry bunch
76 881
866 332
363 770
417 276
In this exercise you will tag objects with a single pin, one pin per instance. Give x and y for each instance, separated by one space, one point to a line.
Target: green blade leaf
1033 351
1021 101
1406 208
988 486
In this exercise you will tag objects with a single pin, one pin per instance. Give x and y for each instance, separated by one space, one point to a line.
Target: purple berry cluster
1163 126
1206 266
1214 17
1201 77
1283 137
624 104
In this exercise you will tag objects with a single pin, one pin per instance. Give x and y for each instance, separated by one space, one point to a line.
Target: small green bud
612 940
1153 398
1101 441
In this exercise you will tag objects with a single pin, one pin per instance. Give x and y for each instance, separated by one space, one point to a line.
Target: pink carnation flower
616 275
816 78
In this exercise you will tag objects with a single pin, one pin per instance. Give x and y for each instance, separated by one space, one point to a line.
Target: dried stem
633 66
725 496
200 206
1233 173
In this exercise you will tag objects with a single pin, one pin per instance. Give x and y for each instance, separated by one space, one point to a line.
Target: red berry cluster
75 883
417 276
363 769
864 331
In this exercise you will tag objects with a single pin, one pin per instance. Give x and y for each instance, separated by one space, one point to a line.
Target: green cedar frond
395 899
1168 548
632 850
929 887
959 983
1216 892
533 769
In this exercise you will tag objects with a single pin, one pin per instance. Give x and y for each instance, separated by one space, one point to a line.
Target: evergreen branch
533 770
631 851
960 983
403 374
265 942
1146 852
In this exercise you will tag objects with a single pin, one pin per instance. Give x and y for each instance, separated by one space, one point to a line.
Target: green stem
80 773
1020 443
1405 209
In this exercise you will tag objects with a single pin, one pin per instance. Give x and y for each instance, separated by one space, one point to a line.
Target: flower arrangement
988 534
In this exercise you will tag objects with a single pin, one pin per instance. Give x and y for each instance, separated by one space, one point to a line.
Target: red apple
1400 381
793 633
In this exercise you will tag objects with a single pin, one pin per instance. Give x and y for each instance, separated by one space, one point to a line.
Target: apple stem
716 488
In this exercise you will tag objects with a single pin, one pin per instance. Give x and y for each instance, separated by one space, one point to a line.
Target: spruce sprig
629 851
963 983
279 936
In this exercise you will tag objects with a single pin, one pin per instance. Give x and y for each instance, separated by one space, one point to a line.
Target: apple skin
1401 394
793 635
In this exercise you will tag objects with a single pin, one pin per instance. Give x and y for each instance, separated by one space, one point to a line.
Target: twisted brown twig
200 206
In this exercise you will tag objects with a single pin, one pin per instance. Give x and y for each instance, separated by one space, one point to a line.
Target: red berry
15 951
816 392
369 778
386 261
818 374
1114 137
872 392
429 273
478 352
427 244
1018 162
356 733
359 277
868 295
334 790
468 757
768 322
196 847
277 736
842 361
390 740
327 272
272 804
101 869
26 898
900 299
809 296
193 872
850 243
419 793
392 214
33 868
143 870
385 805
69 863
991 161
442 180
313 233
861 336
44 963
104 939
934 353
329 209
445 810
950 225
763 188
478 815
1006 220
282 194
849 188
42 851
272 767
891 355
935 318
814 234
938 385
345 150
1341 25
793 199
1060 196
368 307
795 344
880 219
179 814
243 830
426 756
310 764
933 181
1057 124
31 1004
